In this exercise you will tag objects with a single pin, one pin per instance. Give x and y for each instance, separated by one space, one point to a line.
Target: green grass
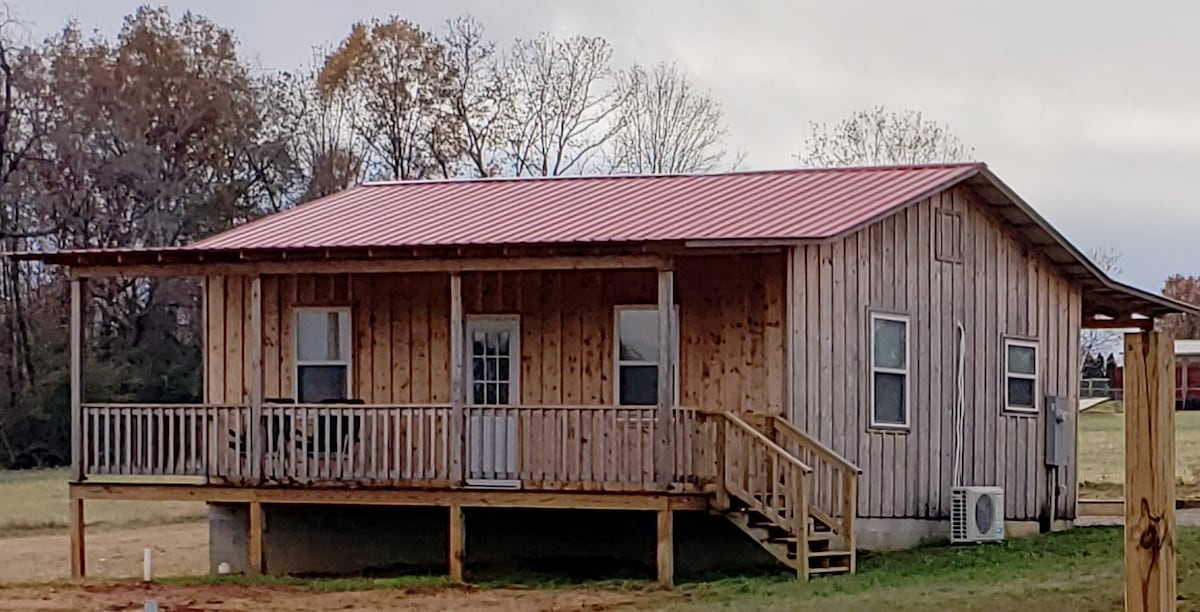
1080 570
1102 454
35 501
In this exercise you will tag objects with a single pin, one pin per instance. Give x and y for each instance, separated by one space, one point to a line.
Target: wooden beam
77 441
1122 323
255 356
666 548
256 538
373 266
663 453
458 543
78 547
1150 560
392 497
457 394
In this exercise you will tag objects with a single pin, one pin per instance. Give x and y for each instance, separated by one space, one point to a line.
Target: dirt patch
114 598
179 550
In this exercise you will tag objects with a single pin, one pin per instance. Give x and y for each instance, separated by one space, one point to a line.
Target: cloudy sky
1089 110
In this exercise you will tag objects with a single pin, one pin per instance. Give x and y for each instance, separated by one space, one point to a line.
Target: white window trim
1035 377
618 362
906 371
510 323
298 363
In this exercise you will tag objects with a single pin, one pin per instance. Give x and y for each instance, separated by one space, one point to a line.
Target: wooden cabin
816 357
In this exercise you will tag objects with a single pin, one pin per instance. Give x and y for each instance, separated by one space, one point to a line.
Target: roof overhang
1106 302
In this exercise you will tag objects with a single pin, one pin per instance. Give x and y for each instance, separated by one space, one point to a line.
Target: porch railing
533 447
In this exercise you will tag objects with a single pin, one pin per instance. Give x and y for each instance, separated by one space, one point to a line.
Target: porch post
77 443
1150 536
664 454
257 431
457 424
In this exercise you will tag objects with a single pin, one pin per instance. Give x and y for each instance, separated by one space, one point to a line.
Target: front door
493 356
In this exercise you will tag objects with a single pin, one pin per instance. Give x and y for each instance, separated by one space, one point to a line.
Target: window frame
507 322
297 362
616 354
1006 373
906 371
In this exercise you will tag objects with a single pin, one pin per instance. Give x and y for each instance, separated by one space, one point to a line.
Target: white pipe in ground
147 568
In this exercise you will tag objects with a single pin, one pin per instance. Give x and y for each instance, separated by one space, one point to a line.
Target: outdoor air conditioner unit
976 514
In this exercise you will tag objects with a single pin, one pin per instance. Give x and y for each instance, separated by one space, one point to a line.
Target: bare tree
1101 341
477 94
317 129
667 125
1185 289
881 137
398 81
566 101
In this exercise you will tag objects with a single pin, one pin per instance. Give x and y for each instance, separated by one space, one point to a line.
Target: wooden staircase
788 492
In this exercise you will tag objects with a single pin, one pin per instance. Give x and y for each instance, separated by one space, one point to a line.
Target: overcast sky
1089 110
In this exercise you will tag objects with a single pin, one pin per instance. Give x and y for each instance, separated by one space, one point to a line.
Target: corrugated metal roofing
782 204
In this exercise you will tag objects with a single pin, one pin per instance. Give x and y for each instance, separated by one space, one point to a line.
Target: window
493 353
1021 375
889 370
322 354
637 355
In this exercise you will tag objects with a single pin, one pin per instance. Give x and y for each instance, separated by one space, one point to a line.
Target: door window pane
491 350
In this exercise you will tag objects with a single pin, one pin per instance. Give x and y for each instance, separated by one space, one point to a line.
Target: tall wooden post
77 380
458 543
255 342
1149 472
457 396
663 451
76 524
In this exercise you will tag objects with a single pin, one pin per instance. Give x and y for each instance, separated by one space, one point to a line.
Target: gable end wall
1001 288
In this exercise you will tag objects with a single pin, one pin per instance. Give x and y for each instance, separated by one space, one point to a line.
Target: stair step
829 553
838 569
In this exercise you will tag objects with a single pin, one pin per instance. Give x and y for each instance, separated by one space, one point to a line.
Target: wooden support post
77 441
78 548
664 468
458 543
457 395
1150 563
256 538
255 342
666 547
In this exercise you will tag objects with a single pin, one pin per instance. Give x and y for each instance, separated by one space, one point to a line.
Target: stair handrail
814 444
769 443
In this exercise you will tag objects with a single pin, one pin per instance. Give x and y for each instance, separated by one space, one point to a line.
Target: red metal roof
780 204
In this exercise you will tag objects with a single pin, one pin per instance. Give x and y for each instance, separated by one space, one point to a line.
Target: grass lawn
1102 454
1080 570
35 501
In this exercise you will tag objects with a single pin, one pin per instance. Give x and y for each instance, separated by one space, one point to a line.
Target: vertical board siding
731 332
998 288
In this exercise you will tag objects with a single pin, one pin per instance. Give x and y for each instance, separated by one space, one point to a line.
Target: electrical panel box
1056 431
